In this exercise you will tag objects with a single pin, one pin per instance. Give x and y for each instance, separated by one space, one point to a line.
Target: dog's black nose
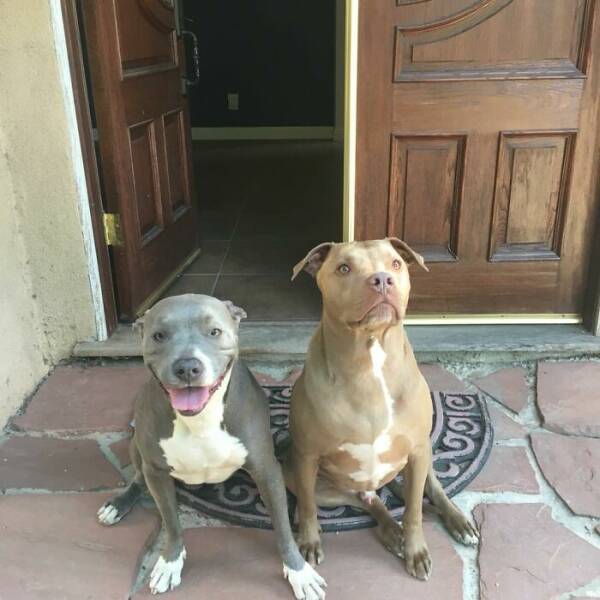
380 282
187 369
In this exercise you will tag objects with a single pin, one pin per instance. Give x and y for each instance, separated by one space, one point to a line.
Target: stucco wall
45 298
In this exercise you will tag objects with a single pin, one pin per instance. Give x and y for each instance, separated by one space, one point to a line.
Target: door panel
491 37
476 144
426 183
146 43
136 66
145 180
532 182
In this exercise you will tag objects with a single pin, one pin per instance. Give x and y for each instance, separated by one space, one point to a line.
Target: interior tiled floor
263 206
536 501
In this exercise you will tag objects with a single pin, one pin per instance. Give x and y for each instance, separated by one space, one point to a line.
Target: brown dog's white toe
311 550
418 562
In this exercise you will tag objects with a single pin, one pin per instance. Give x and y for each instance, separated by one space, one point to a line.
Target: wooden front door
136 64
477 144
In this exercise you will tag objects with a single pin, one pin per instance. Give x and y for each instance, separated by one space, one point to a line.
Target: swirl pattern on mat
461 438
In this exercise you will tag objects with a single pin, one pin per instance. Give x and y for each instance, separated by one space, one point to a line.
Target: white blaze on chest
199 450
372 469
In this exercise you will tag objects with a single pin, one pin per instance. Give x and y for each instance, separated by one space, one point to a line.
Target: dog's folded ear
314 260
407 253
138 325
237 313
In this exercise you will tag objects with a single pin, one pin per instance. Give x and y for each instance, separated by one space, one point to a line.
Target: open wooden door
477 143
136 65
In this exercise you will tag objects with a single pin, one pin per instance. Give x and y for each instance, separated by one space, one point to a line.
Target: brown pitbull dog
361 411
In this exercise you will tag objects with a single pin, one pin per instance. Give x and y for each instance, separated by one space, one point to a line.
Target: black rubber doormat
461 438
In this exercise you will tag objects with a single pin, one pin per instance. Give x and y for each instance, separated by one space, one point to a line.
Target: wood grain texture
136 66
521 215
425 190
474 42
532 187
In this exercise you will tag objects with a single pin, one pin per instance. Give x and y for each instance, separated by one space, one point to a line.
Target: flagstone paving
537 500
121 451
572 468
55 464
508 470
81 400
508 386
223 562
525 553
505 427
569 397
51 547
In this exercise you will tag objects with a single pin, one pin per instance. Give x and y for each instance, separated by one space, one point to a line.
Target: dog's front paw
418 560
310 548
108 514
460 528
392 537
166 575
306 583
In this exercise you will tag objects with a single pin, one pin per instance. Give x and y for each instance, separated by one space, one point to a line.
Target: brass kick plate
492 319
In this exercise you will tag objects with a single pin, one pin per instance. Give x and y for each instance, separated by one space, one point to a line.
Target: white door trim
85 217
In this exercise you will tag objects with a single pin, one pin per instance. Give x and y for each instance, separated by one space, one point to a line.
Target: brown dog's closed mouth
380 307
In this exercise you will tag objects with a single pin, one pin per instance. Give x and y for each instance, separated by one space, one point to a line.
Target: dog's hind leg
388 531
116 508
455 522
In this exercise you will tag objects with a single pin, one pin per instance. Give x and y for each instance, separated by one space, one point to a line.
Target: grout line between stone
229 241
146 564
583 527
469 557
590 590
113 436
104 443
43 491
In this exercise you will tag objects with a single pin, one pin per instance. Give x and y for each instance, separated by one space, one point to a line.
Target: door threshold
494 319
288 340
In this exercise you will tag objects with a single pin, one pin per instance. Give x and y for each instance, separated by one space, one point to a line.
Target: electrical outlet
233 101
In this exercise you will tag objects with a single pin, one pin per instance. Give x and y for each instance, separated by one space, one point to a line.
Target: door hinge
112 229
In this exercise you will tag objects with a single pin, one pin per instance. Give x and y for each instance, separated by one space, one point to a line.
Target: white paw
166 575
469 539
108 514
306 583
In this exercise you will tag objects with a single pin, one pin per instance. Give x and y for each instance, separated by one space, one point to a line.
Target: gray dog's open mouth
190 401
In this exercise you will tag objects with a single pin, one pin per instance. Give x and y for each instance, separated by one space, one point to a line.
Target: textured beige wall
45 298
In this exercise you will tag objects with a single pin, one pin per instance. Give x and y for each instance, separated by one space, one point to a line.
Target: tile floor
537 500
263 206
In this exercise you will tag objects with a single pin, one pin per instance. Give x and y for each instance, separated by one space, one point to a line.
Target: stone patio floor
537 500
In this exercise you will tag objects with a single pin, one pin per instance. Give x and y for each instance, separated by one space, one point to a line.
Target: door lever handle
195 57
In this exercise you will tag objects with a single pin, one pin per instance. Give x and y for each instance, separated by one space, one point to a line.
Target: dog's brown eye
396 265
215 332
344 269
159 336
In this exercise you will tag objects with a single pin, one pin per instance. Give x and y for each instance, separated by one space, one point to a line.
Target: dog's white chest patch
199 450
372 469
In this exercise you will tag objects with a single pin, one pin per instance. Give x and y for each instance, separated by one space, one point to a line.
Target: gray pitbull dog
199 418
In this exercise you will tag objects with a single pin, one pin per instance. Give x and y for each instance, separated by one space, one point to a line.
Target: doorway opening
266 144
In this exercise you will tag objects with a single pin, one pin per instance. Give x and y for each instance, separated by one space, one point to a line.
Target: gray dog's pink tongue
192 398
